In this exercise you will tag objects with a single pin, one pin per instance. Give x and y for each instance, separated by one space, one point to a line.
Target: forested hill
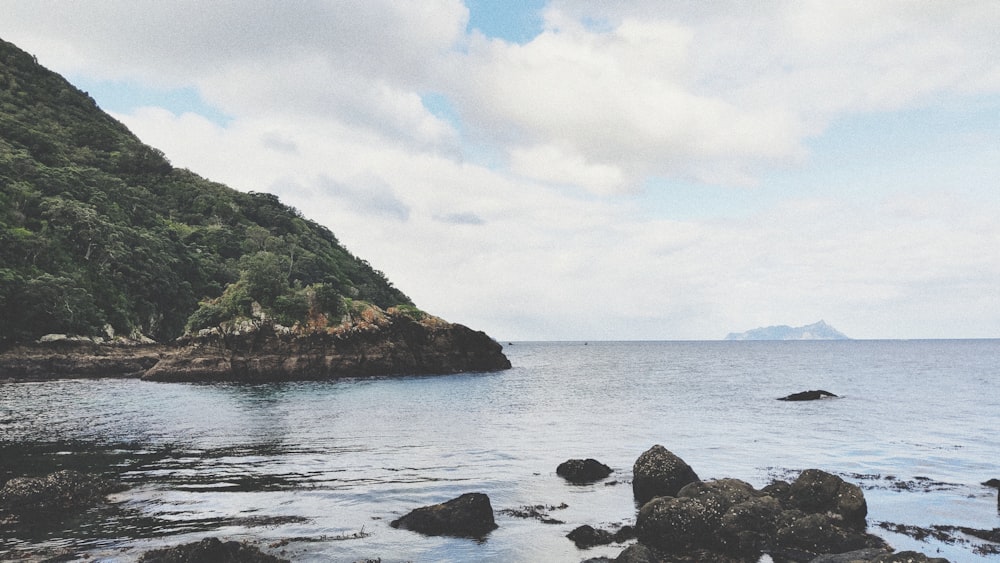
100 234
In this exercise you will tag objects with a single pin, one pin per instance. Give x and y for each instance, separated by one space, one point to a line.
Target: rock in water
809 396
62 491
582 471
210 550
821 492
470 516
658 472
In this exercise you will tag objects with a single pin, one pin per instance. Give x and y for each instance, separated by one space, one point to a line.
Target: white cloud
527 215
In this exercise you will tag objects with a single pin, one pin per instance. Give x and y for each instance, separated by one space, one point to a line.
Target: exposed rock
74 358
637 553
210 550
587 536
809 396
727 519
878 555
394 344
582 471
658 472
469 515
62 491
822 492
398 345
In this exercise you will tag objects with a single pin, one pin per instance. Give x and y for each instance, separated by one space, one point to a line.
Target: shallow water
318 470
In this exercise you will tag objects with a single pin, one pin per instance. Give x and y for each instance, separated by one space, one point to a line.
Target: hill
815 331
100 235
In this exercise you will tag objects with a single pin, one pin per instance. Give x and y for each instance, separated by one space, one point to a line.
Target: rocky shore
815 517
391 345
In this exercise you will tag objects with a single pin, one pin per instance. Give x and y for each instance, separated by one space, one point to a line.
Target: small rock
581 471
470 515
818 491
808 396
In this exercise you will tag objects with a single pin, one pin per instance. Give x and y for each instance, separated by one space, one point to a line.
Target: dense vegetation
98 231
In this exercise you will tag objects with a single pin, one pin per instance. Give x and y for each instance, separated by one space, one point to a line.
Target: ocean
315 471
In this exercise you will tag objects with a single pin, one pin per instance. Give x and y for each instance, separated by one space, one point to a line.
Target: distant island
815 331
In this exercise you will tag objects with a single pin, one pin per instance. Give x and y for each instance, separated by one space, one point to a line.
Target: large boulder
658 472
582 471
59 492
821 492
210 550
470 515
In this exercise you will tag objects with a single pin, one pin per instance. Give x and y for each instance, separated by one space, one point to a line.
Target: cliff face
395 345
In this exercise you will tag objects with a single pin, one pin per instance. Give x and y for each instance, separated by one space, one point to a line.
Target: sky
590 170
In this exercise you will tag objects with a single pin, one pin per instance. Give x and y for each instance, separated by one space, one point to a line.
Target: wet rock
539 512
857 556
587 536
210 550
62 491
637 553
658 472
582 471
750 526
469 515
818 491
809 396
908 557
821 533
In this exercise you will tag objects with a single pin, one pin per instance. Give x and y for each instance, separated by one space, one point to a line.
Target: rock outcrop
470 516
729 520
78 359
582 471
395 344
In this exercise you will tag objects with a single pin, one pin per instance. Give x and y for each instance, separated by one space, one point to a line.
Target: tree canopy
99 233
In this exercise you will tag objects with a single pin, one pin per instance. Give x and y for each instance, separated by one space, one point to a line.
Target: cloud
543 204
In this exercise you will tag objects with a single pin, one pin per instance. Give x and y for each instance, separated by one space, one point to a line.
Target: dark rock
539 511
587 536
858 556
469 515
808 396
210 550
658 472
637 553
995 483
78 359
394 345
822 492
676 525
908 557
582 470
821 533
750 526
62 491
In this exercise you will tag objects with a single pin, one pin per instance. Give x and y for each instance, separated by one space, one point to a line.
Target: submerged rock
581 471
658 472
809 396
470 515
210 550
60 492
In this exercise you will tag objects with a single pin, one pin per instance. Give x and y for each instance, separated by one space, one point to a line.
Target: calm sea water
318 470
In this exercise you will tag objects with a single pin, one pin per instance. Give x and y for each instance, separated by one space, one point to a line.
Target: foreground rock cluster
817 518
393 344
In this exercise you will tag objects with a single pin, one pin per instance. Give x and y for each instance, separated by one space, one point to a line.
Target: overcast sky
583 170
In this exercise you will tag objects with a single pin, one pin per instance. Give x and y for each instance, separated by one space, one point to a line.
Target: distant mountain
815 331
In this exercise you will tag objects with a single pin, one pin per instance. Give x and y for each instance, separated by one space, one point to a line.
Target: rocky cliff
394 344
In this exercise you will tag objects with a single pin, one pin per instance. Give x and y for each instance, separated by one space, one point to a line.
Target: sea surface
316 471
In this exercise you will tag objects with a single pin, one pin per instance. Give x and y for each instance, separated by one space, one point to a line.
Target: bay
318 470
